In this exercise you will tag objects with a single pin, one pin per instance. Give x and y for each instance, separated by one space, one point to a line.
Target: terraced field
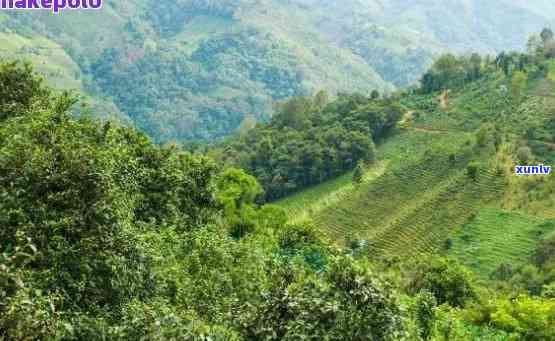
410 202
420 197
496 237
313 200
414 208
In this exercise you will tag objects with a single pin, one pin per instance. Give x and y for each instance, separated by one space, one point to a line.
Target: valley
278 170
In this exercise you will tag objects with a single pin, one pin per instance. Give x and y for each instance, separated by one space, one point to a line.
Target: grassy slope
495 237
49 58
305 204
420 197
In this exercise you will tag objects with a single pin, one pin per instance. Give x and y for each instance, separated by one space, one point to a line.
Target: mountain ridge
223 61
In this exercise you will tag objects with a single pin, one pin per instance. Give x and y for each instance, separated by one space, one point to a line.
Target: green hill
199 68
444 182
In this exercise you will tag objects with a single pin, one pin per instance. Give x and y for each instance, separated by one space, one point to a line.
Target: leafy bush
447 280
21 90
526 318
425 306
346 302
524 154
472 169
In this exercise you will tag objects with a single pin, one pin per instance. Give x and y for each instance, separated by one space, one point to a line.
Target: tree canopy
308 142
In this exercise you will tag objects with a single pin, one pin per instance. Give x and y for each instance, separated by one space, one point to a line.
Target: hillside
200 68
406 221
444 181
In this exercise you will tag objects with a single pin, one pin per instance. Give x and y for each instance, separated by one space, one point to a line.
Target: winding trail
408 116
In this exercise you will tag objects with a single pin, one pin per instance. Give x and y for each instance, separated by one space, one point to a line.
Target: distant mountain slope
193 69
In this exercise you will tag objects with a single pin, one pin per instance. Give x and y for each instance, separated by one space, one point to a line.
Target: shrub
425 306
526 318
524 154
358 174
472 170
347 302
447 280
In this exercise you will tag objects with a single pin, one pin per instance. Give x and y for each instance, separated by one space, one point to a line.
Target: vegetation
452 72
309 141
448 189
108 236
426 234
196 70
480 246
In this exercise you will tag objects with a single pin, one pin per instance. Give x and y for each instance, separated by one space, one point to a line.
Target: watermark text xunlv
533 170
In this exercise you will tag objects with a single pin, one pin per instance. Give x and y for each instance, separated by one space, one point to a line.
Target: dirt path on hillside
443 131
429 130
444 99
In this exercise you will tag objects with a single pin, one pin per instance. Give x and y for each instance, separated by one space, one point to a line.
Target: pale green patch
303 205
551 73
200 29
49 59
496 237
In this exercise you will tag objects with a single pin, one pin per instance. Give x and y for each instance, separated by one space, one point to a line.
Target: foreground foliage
108 236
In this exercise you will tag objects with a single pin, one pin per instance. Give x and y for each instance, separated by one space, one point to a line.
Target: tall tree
475 66
546 35
359 173
321 99
534 44
518 85
21 89
504 61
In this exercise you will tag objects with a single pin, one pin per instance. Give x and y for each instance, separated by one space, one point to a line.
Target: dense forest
310 140
109 236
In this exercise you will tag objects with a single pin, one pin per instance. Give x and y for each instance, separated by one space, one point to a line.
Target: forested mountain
195 69
106 235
